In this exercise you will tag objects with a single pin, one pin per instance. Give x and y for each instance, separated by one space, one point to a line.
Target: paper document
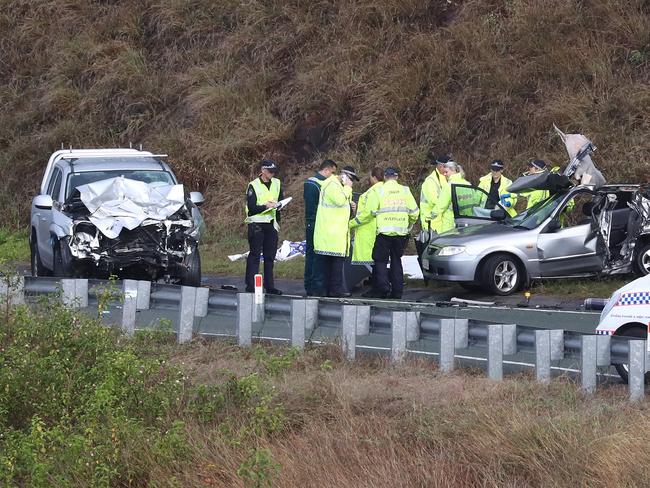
283 203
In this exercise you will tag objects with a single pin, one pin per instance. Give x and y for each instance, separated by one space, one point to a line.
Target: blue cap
537 163
496 165
390 171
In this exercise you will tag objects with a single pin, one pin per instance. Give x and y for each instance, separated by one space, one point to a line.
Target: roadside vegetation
81 405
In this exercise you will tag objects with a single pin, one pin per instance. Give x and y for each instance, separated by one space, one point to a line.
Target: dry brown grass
369 425
218 85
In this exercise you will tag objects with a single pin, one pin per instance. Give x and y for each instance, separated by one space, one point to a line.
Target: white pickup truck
104 212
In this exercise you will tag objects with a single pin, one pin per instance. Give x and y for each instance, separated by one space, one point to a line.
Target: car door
468 203
45 219
569 244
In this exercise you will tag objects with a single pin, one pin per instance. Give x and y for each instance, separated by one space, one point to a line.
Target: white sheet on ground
120 202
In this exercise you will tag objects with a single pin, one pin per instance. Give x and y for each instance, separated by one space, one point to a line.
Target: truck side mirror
197 198
43 202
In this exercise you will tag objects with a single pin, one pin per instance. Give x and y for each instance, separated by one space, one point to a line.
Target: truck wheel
636 332
62 260
642 260
192 274
501 275
37 265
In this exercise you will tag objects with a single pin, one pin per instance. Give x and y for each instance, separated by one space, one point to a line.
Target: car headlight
451 250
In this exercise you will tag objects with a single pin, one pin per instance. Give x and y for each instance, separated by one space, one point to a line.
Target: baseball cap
537 163
442 159
496 165
270 165
349 170
391 171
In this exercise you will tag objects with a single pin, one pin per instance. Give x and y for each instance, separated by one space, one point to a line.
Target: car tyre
38 269
62 258
642 260
636 332
192 273
501 275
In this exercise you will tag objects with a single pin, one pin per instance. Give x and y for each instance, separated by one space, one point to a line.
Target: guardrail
398 330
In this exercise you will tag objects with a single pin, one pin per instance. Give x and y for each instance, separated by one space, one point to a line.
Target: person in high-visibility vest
495 184
533 197
263 219
429 193
331 234
366 233
395 211
314 273
443 210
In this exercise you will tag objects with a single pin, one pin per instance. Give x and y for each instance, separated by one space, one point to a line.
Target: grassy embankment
82 406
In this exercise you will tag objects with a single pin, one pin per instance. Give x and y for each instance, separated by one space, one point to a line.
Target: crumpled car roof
120 202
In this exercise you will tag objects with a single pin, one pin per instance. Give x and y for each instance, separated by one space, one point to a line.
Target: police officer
535 196
396 211
431 188
495 184
366 233
443 210
331 233
263 219
314 275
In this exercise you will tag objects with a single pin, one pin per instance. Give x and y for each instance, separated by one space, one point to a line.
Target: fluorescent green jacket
534 197
431 188
485 182
365 234
394 208
331 233
443 210
264 194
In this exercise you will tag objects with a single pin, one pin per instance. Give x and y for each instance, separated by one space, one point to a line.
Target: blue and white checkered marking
634 298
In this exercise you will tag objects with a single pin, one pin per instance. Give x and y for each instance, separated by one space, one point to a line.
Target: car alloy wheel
505 276
501 274
642 260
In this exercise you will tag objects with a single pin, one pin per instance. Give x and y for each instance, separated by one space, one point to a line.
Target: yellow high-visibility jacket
366 233
485 182
331 233
431 188
443 210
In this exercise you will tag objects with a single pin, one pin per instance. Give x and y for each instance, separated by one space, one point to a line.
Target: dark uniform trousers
314 264
389 249
262 239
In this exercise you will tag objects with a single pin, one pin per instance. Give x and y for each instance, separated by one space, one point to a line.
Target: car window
50 184
147 176
537 214
577 211
469 200
56 186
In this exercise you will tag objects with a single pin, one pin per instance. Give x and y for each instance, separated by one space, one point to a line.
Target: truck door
570 244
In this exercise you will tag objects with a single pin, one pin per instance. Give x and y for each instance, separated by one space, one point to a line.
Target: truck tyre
501 274
62 258
642 260
192 274
37 265
636 332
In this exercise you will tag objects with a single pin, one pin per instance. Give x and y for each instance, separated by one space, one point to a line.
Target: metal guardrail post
398 343
363 320
144 295
603 350
311 313
349 331
74 292
509 339
557 344
245 319
495 351
412 326
129 306
186 314
636 372
12 289
298 320
461 333
201 303
543 356
447 344
588 357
